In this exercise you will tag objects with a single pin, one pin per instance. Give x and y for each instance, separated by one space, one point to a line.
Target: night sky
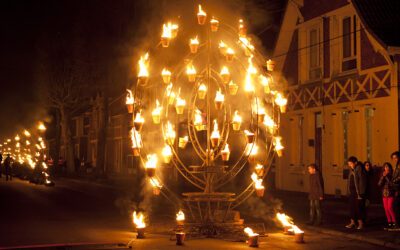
102 35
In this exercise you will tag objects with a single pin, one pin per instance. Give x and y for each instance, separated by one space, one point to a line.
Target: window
314 62
369 113
349 43
345 122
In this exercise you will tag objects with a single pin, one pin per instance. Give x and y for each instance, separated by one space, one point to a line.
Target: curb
353 237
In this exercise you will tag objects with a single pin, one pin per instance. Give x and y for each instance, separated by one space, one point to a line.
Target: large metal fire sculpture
217 112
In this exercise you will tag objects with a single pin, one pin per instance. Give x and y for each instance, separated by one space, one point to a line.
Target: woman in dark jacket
356 186
388 194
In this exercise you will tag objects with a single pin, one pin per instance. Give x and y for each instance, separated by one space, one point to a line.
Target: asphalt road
79 212
70 212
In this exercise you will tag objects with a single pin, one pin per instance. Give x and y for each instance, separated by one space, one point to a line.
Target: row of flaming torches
253 238
167 154
22 150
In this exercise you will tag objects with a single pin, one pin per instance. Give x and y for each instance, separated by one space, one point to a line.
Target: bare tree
65 96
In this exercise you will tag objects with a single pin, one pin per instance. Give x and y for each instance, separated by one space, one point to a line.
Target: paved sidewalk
335 217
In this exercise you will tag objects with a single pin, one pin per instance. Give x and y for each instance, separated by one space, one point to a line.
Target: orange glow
143 66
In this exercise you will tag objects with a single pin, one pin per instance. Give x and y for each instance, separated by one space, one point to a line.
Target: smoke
262 209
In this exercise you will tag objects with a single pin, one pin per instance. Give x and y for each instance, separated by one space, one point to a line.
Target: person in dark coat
385 182
396 183
7 166
371 185
316 195
356 187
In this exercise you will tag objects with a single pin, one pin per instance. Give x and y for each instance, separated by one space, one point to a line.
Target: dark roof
381 18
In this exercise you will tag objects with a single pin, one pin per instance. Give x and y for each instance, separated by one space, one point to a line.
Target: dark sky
101 34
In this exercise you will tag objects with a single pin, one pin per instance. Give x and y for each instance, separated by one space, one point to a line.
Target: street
80 212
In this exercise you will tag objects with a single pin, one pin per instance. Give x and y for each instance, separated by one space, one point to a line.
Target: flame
285 220
190 70
201 12
139 118
296 230
236 117
157 110
155 183
221 44
224 71
151 161
257 181
259 167
129 97
226 149
202 87
264 80
251 69
241 24
136 138
170 133
180 101
219 97
249 232
17 138
198 118
17 145
166 31
278 143
252 149
180 216
170 93
194 41
143 65
167 151
230 51
246 44
26 133
247 132
41 126
280 100
215 133
138 220
165 72
214 21
269 122
248 87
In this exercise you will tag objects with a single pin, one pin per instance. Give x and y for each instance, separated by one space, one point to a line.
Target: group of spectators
359 186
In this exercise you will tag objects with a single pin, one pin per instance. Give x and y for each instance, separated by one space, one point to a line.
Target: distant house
340 69
85 129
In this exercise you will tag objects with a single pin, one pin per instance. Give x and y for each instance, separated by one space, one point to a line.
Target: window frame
354 40
318 28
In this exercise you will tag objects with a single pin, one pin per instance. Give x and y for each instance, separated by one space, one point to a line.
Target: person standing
388 195
356 186
395 156
316 195
7 166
